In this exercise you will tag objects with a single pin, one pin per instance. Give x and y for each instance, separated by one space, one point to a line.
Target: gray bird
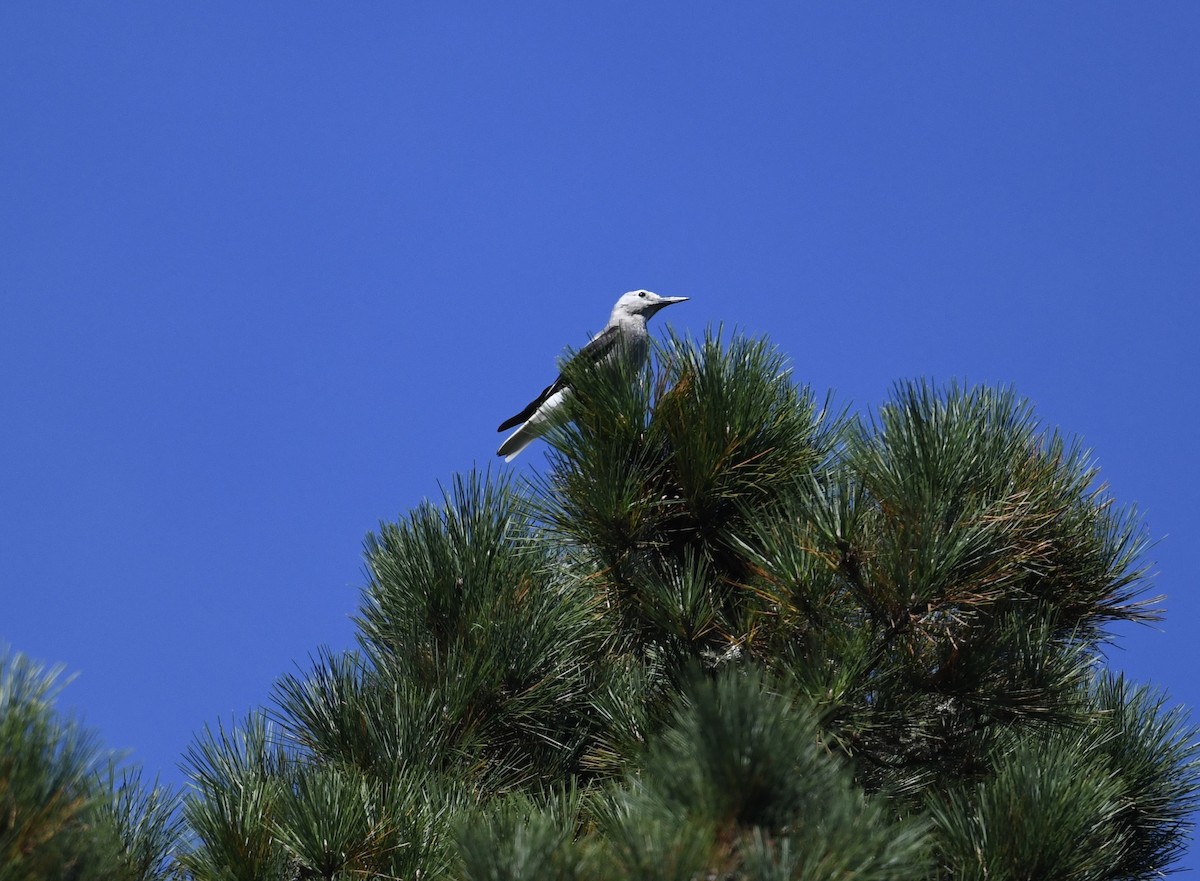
624 335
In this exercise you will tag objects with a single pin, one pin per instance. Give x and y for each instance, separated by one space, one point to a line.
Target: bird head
642 303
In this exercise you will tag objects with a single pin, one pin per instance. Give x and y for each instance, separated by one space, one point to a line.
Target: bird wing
599 346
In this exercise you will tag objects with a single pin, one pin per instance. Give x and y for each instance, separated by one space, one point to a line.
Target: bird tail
519 440
533 427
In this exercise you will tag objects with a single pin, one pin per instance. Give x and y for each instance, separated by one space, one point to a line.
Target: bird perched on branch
625 335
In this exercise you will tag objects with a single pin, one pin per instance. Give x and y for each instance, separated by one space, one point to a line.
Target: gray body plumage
625 335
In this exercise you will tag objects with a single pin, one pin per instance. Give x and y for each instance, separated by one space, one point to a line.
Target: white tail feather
531 429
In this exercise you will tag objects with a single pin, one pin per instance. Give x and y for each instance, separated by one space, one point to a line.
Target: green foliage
66 810
732 634
521 838
972 506
738 754
1046 811
655 479
1151 748
641 833
951 573
467 620
746 762
147 822
237 778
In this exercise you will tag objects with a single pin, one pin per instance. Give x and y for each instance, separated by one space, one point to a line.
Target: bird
625 335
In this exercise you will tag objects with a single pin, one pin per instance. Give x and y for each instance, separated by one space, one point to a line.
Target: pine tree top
734 632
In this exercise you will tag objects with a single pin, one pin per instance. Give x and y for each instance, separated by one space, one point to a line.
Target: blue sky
271 272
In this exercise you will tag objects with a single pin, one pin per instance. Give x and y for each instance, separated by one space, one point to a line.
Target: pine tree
68 810
729 633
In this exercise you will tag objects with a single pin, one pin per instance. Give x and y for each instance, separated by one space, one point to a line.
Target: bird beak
668 301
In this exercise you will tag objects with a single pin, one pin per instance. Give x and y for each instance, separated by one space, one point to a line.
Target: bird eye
642 294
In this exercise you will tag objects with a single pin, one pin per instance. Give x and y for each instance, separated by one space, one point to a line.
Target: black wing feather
599 346
533 405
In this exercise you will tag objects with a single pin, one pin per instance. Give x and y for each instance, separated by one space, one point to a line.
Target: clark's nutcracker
624 335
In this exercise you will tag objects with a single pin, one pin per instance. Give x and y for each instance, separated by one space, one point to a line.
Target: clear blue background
270 272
